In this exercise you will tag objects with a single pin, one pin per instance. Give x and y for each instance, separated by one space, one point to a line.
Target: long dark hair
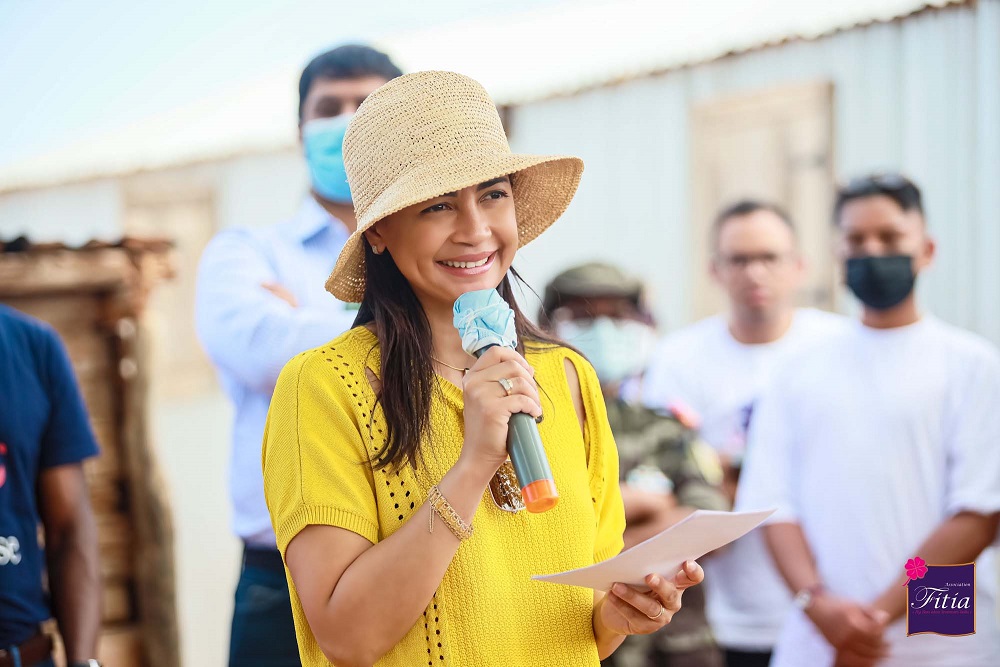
404 338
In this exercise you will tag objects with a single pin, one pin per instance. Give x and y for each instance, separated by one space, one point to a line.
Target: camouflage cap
594 279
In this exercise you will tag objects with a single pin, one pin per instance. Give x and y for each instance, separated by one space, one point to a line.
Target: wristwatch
805 598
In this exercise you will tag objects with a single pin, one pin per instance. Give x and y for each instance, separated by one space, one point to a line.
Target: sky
72 70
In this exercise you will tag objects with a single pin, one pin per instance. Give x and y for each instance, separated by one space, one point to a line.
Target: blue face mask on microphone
323 140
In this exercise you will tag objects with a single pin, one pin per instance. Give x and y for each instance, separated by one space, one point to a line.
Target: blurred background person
666 471
719 366
878 445
45 436
260 301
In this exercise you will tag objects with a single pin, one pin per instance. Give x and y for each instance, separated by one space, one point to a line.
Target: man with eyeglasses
880 446
719 367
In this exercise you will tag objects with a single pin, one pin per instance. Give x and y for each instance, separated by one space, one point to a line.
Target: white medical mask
618 349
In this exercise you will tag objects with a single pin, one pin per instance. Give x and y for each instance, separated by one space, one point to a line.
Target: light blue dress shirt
249 333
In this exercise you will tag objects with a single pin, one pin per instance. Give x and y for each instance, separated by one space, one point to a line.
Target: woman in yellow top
384 454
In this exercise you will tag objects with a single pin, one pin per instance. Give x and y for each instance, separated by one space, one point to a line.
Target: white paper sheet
689 539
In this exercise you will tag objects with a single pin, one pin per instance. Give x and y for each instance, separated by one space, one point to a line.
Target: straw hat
427 133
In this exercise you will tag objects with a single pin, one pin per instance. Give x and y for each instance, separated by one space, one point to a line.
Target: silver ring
507 385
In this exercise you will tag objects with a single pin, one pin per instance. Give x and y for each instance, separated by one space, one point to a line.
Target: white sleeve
247 330
973 476
766 475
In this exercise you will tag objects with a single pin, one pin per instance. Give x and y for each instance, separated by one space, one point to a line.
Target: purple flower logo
916 568
944 602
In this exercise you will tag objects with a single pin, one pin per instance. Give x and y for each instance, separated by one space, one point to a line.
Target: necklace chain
454 368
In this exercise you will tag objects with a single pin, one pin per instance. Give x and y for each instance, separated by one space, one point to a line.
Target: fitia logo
3 464
941 599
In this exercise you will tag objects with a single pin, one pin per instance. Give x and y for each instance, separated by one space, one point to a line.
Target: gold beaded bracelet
440 506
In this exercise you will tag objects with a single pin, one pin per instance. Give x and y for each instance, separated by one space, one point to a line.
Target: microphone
484 320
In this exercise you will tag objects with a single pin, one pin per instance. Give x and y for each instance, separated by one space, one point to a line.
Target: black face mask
881 282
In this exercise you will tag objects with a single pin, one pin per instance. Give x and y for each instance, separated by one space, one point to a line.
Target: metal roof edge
941 5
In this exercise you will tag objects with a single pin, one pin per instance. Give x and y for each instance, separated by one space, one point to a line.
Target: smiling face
456 243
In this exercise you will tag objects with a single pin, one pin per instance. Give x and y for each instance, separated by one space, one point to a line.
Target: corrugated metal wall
921 95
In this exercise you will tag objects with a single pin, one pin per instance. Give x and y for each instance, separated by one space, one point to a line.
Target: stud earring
376 250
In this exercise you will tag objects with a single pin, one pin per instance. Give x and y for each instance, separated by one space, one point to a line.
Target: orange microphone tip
540 496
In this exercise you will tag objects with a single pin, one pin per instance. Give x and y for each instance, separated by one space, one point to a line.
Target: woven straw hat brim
544 185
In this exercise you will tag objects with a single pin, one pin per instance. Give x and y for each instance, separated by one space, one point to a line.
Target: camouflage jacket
649 438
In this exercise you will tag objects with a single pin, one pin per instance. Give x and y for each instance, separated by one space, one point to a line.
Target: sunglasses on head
875 184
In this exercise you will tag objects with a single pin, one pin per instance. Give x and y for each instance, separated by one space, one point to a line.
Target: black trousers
747 658
263 632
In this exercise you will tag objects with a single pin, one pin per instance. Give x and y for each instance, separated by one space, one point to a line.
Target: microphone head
483 318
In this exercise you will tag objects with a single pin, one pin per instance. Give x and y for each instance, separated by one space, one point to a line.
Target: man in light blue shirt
260 301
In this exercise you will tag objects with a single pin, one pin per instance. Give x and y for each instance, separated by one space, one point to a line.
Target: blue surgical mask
323 140
618 348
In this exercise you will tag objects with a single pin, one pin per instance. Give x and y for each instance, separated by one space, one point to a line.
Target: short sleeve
766 475
602 465
973 477
68 437
315 463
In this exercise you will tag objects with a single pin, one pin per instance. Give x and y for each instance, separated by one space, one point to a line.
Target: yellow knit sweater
324 428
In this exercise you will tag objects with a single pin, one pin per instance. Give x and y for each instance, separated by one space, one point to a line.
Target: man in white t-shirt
879 446
718 367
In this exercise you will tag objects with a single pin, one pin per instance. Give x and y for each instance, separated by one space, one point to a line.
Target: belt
262 557
32 651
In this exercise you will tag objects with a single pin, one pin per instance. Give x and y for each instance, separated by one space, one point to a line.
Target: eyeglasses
768 261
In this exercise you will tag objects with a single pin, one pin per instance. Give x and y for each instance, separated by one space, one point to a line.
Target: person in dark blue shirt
44 438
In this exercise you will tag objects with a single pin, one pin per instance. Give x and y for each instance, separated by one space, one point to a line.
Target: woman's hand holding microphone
499 384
